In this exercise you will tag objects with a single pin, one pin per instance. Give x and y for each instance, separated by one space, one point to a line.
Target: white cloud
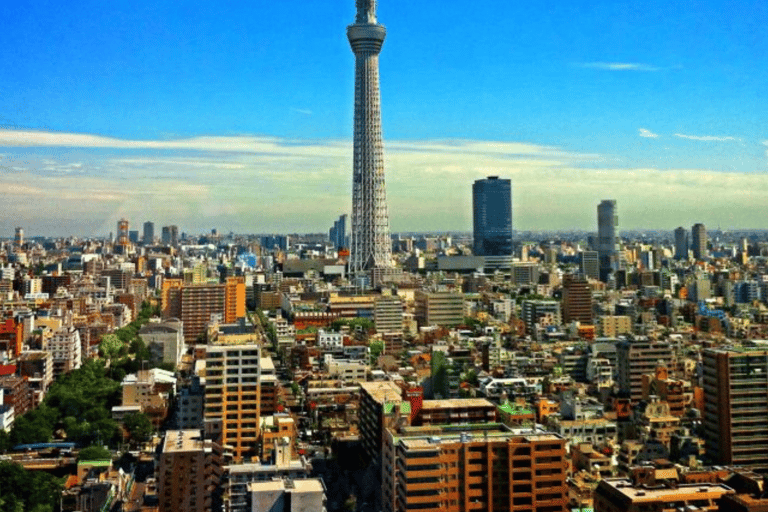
705 138
647 133
255 184
620 66
304 111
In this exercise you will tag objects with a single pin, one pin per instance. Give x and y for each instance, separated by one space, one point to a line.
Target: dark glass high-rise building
492 216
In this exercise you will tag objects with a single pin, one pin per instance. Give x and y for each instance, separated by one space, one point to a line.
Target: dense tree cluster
79 404
27 491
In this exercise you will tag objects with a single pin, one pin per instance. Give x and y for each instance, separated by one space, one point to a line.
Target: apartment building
233 397
66 350
198 305
636 358
188 467
473 467
736 406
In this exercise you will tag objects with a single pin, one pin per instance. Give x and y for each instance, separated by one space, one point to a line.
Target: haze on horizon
240 117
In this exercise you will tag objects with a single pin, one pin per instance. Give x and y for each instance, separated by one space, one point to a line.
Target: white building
165 340
288 495
329 340
66 350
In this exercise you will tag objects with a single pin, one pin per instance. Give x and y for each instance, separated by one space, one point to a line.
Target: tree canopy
22 490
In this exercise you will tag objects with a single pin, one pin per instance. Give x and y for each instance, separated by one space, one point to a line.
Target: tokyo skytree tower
370 246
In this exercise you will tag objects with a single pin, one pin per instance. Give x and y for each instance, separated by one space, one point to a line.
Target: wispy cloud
643 132
706 138
620 66
253 184
304 111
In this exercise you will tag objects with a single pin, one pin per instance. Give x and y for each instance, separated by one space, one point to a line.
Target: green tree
22 490
138 426
94 453
110 346
376 348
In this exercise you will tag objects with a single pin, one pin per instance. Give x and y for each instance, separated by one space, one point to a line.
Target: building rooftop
182 441
642 493
460 403
382 391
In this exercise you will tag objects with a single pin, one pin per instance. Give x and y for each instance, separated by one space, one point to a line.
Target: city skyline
122 111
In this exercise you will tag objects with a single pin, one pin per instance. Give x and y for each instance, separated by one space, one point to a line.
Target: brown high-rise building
577 300
197 305
187 472
736 406
473 467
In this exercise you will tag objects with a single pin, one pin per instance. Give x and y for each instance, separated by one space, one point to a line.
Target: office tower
699 241
18 240
133 237
608 238
188 470
681 243
589 264
388 314
371 247
577 300
492 216
473 467
338 233
149 233
439 308
233 397
736 406
123 239
635 358
170 235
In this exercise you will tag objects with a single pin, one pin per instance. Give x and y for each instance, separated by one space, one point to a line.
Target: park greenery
77 408
28 491
363 324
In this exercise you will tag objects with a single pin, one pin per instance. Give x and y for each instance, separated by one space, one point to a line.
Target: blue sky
239 116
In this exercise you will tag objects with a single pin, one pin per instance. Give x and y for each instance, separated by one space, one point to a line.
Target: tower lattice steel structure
370 247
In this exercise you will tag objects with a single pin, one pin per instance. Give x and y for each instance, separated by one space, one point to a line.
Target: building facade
473 467
736 406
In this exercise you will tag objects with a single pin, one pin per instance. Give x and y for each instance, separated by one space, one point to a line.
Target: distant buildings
338 233
492 216
170 235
